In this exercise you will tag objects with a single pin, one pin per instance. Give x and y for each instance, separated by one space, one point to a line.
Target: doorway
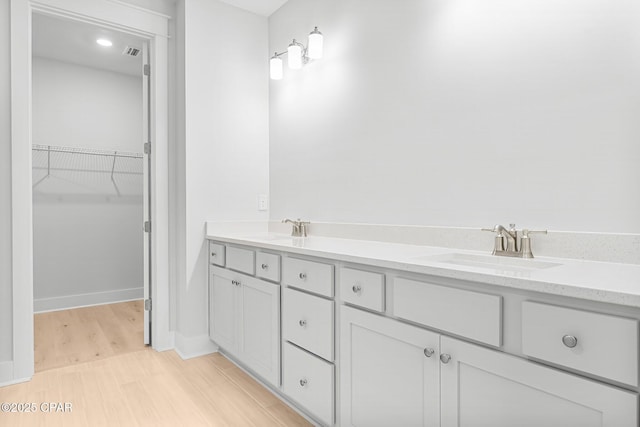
90 191
153 28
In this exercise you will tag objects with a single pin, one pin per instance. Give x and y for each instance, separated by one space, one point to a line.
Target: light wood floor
147 388
135 387
67 337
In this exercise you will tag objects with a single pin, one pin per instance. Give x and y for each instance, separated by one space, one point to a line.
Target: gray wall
6 324
460 113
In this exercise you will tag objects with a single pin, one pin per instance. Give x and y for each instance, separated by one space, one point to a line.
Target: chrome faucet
511 242
299 227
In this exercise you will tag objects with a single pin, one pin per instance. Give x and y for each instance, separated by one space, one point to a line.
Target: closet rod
85 151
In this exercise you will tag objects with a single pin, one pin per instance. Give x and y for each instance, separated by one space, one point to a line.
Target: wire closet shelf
92 169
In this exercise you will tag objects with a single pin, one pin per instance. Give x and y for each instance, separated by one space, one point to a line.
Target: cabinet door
260 328
389 376
482 387
224 305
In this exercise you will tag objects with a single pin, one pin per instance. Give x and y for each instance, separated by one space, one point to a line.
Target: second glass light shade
294 54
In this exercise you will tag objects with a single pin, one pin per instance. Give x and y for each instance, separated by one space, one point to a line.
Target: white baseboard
84 300
6 374
189 347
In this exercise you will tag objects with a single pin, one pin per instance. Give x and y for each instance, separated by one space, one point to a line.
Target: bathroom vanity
364 333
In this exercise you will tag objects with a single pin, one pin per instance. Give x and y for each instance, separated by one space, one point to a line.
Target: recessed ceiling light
104 42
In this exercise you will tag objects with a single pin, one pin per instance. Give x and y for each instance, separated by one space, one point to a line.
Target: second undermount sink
490 262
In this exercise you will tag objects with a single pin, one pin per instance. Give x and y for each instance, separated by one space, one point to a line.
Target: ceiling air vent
131 51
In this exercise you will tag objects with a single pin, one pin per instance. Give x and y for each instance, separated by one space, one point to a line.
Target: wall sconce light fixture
297 54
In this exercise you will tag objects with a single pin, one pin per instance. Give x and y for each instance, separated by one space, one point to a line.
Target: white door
260 327
389 372
224 304
482 387
146 188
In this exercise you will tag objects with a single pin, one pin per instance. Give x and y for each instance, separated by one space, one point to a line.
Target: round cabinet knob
429 352
302 276
445 358
213 254
356 289
303 382
264 266
233 282
302 323
570 341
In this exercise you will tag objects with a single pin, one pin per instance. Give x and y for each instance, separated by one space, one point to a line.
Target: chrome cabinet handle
570 341
445 358
303 382
356 289
302 323
302 276
264 266
429 352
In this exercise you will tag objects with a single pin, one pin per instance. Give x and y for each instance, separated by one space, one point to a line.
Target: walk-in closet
88 164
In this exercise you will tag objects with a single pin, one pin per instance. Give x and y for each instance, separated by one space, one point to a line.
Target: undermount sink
490 262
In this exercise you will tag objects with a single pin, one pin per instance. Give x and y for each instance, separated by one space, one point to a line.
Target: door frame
150 25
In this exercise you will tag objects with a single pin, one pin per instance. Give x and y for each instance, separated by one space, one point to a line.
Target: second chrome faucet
512 242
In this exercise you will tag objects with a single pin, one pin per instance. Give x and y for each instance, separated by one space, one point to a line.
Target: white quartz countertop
598 281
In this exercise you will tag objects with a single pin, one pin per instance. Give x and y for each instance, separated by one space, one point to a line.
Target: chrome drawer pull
264 266
570 341
356 289
303 382
429 352
303 323
302 276
445 358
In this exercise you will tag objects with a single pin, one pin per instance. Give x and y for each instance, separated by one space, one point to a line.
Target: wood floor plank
260 394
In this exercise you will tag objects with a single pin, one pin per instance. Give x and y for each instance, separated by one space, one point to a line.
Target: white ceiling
75 42
261 7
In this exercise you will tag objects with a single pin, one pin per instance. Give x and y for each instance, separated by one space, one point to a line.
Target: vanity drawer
469 314
216 254
268 266
308 275
307 321
362 288
241 260
604 345
309 381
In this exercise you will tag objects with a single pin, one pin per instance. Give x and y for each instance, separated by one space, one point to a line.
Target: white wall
223 136
6 316
86 107
460 113
87 239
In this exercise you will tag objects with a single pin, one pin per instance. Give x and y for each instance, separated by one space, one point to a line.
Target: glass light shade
315 44
275 68
294 53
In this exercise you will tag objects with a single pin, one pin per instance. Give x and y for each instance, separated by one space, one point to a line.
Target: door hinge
147 70
147 148
147 226
147 305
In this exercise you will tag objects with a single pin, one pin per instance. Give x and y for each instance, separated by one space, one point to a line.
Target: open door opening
91 164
